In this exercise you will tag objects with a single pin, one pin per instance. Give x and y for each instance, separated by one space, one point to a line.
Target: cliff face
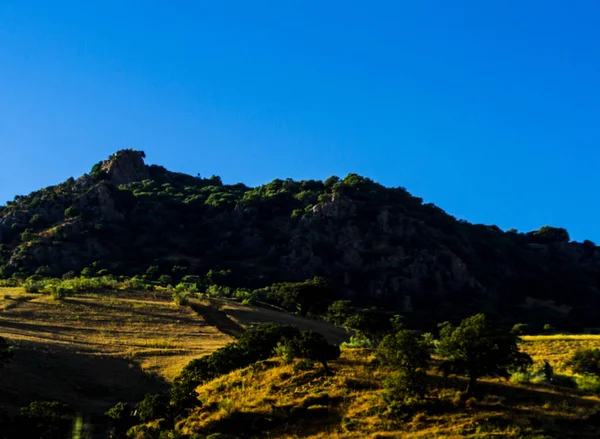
379 245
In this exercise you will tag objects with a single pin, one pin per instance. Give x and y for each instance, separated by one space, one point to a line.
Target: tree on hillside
409 354
339 312
313 346
372 323
477 349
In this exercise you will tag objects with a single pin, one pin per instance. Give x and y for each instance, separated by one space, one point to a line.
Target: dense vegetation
361 241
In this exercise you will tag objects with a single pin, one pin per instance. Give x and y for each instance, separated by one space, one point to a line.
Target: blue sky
490 110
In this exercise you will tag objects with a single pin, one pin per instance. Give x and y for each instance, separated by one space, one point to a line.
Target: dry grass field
557 349
91 351
292 403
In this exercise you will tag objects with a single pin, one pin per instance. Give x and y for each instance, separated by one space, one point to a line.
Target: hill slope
90 350
378 245
276 400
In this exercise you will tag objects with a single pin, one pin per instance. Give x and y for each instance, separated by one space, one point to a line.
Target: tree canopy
477 348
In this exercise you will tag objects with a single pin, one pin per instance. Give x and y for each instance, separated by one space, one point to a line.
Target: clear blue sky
490 110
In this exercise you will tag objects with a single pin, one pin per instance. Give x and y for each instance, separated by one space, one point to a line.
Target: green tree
404 350
410 355
339 312
477 349
372 323
313 346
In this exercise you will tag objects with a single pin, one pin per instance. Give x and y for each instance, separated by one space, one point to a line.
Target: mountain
377 245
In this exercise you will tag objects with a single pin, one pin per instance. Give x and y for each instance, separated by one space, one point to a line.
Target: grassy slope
91 351
289 403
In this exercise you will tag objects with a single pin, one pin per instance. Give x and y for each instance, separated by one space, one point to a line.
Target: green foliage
58 291
165 280
71 212
404 387
373 244
255 344
310 296
37 221
357 342
121 418
477 348
339 312
153 406
404 351
372 323
181 298
409 354
312 346
44 420
586 362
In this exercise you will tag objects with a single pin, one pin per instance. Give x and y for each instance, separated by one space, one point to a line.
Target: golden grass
123 344
290 403
557 349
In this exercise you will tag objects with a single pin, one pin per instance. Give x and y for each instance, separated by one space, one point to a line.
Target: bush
121 418
586 362
357 342
181 298
153 406
44 420
313 346
404 386
165 280
58 291
33 287
588 383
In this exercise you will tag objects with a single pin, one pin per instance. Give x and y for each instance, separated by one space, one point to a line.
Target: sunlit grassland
292 402
557 349
94 349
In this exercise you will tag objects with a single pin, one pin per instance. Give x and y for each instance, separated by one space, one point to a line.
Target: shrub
32 287
404 386
58 291
586 362
181 298
404 351
44 420
121 418
71 212
588 383
357 342
313 346
153 406
165 280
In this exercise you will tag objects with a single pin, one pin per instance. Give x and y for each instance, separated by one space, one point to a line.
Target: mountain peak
125 166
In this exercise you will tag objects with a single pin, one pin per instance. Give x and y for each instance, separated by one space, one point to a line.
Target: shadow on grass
303 421
218 319
86 382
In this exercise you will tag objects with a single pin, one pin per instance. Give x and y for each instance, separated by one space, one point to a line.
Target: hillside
376 245
285 401
91 351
